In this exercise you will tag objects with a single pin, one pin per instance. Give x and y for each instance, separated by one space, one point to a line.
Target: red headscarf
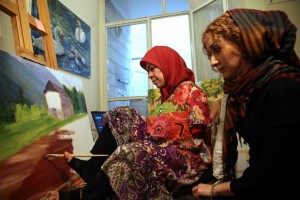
171 64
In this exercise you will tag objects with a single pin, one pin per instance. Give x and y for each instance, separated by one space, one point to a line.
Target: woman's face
155 75
224 56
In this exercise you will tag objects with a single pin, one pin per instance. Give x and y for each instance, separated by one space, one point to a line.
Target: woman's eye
209 56
150 69
216 49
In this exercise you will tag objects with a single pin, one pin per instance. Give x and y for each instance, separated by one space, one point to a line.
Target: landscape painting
43 111
71 37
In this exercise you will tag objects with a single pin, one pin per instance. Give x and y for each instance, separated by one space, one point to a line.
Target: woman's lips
154 81
221 70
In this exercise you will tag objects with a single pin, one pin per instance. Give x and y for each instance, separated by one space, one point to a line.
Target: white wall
291 7
260 5
6 34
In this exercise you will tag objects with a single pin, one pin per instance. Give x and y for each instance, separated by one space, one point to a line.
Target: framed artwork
71 37
43 111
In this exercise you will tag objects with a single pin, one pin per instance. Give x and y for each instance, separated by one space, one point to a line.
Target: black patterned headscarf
268 38
125 123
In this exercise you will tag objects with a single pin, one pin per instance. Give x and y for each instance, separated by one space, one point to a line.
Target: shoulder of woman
283 85
279 92
187 83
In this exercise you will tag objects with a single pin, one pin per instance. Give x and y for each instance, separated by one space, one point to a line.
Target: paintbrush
75 155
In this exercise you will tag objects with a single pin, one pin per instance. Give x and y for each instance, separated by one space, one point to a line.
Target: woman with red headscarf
175 148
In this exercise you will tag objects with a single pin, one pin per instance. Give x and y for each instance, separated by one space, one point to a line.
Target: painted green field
14 137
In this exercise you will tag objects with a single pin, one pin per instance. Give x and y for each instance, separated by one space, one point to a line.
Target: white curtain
201 18
204 12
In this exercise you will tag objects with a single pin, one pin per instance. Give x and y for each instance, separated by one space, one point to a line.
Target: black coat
273 134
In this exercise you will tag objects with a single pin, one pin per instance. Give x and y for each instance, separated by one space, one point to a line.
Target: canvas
71 37
43 111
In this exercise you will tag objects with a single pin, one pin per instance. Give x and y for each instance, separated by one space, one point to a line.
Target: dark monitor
97 118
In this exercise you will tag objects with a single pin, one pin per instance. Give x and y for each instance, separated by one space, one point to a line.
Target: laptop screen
97 118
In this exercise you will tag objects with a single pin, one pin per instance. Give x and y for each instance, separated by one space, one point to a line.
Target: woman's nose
213 61
150 74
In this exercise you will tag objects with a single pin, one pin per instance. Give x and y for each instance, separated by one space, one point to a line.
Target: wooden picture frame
22 22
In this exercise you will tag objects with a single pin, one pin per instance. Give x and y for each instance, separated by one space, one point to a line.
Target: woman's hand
215 109
52 195
67 156
214 116
202 191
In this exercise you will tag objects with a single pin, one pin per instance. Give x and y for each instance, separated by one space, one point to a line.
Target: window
133 27
127 81
126 45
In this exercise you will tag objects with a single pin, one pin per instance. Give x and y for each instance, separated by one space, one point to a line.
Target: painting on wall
43 111
71 37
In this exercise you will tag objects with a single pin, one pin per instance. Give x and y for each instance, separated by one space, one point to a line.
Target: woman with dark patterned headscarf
254 52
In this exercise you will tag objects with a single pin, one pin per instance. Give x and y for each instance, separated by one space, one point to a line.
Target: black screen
97 117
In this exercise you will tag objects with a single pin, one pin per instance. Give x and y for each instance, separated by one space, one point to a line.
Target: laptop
97 118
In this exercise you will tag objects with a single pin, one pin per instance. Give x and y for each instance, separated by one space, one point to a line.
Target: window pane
126 45
116 10
176 6
175 34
